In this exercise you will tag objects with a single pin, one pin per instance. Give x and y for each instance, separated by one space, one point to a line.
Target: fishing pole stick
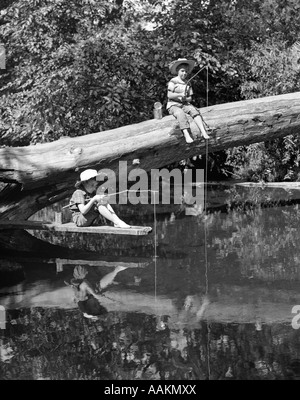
189 80
196 74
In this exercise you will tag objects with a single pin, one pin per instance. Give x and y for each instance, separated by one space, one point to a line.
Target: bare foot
93 317
121 224
188 139
205 135
120 268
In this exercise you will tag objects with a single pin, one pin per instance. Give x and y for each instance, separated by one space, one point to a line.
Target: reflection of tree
264 241
55 344
258 242
15 243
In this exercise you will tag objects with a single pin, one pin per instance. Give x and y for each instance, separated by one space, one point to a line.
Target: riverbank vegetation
74 68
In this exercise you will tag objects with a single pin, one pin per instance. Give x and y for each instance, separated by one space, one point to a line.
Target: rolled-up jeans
180 113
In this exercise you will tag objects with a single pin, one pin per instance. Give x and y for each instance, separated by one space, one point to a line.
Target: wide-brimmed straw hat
174 64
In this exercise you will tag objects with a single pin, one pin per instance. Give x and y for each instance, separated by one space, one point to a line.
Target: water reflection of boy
87 299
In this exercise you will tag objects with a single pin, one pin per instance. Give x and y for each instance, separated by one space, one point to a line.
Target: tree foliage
275 70
53 344
84 66
67 70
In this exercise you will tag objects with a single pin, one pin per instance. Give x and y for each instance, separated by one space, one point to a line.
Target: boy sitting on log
180 97
89 208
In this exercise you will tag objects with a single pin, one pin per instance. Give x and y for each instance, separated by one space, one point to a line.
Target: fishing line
205 234
207 87
155 246
154 219
205 211
154 230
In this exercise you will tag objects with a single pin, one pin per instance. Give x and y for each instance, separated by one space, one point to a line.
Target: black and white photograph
149 192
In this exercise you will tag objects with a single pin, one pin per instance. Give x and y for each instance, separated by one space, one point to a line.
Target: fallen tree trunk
43 174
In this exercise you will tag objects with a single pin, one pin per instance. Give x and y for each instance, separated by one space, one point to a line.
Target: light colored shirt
81 197
176 85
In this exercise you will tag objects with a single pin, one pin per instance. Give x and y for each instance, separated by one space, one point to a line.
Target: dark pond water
213 299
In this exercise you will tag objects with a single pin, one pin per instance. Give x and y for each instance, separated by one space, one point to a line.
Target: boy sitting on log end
180 96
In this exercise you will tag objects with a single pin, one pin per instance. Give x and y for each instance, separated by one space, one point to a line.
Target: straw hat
173 66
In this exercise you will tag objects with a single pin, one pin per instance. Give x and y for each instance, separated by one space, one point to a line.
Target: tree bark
45 173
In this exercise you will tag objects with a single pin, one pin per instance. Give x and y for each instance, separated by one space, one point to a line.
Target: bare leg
108 213
108 279
182 118
187 136
203 307
110 208
200 125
